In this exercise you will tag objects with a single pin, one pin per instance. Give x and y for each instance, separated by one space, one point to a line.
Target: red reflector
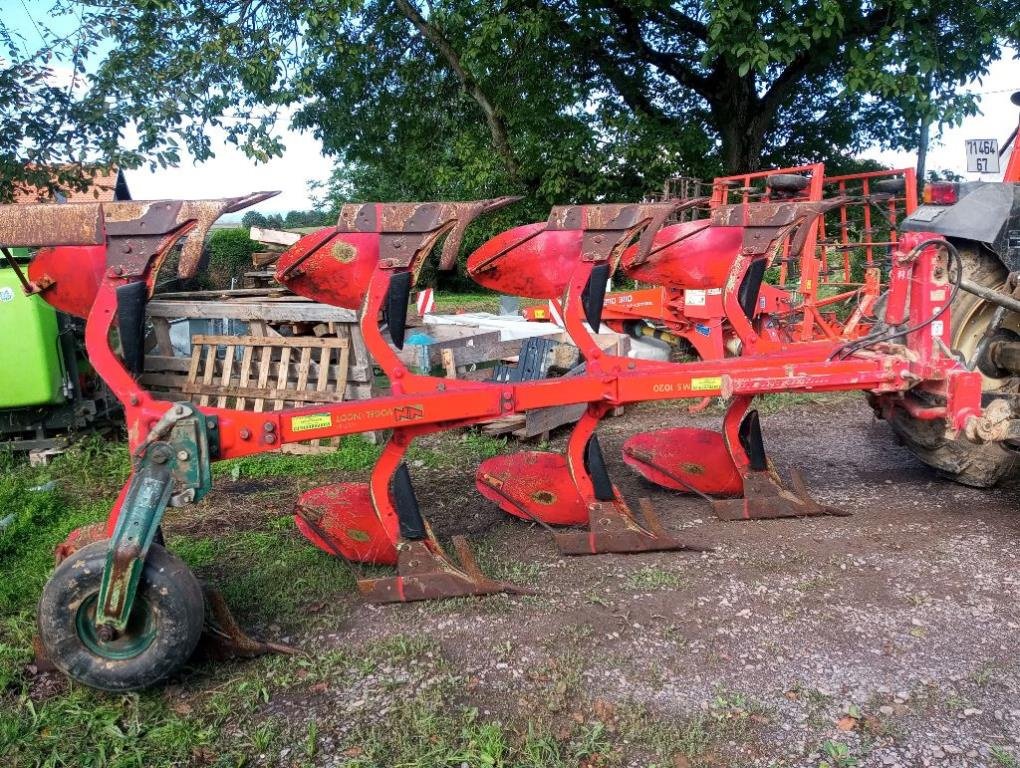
941 193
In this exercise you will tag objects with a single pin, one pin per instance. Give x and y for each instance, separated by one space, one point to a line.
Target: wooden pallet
260 373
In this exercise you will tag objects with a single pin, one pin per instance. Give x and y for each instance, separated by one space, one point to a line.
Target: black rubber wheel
978 465
162 632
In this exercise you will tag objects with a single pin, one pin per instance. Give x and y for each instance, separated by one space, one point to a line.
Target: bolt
105 633
269 426
270 439
398 373
133 399
182 455
126 248
245 434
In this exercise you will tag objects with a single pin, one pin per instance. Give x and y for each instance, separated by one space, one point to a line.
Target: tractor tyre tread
967 463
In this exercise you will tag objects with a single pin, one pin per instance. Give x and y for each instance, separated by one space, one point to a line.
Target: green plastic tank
31 368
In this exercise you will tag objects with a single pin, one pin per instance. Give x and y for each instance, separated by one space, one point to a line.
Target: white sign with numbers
982 155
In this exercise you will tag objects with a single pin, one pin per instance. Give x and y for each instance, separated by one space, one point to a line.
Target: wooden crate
282 372
276 321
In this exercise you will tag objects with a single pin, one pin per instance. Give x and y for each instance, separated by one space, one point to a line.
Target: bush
230 249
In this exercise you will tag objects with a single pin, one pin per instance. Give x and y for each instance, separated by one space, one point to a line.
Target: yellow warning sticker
706 383
311 421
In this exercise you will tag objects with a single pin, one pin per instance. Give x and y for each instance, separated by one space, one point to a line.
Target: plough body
105 261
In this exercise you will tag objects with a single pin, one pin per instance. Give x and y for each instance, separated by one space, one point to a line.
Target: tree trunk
922 150
742 128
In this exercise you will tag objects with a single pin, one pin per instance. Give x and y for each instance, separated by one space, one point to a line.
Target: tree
559 100
549 94
254 219
54 133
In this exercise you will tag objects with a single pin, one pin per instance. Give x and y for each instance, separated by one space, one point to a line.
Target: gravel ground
892 632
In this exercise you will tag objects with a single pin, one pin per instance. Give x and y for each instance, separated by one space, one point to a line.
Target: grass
731 720
651 577
222 714
1003 758
466 302
354 453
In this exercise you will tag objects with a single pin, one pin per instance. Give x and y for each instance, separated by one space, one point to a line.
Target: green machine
32 370
43 392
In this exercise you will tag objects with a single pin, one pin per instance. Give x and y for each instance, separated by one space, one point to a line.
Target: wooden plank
226 293
323 379
272 312
343 368
160 364
264 361
228 371
265 258
245 378
263 393
174 382
157 363
259 341
161 330
283 375
196 362
449 364
541 420
302 372
210 371
273 236
410 354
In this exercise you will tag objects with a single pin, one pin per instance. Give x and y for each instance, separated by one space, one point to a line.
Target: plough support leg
764 497
424 570
612 526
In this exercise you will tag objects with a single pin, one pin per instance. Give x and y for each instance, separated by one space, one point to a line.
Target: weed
1003 758
311 739
985 674
837 755
651 577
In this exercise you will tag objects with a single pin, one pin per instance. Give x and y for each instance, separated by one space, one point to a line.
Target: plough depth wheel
162 631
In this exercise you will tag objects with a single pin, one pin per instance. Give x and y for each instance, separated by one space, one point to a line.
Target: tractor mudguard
987 212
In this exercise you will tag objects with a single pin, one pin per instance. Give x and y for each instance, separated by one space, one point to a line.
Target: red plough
120 613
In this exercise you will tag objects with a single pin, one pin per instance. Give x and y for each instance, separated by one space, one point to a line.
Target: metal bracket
171 468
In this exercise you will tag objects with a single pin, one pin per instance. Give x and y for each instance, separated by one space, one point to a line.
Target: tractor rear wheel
161 634
979 465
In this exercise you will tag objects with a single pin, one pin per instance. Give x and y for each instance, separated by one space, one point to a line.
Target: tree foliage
560 100
230 249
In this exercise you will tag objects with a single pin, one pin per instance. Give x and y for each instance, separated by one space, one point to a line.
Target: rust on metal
411 230
135 231
49 224
612 528
765 499
425 572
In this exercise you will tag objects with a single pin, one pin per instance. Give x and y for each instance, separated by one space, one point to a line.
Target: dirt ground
887 638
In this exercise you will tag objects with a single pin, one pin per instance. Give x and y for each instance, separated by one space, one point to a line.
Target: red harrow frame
108 620
687 264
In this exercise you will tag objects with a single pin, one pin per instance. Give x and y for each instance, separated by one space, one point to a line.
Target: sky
231 173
